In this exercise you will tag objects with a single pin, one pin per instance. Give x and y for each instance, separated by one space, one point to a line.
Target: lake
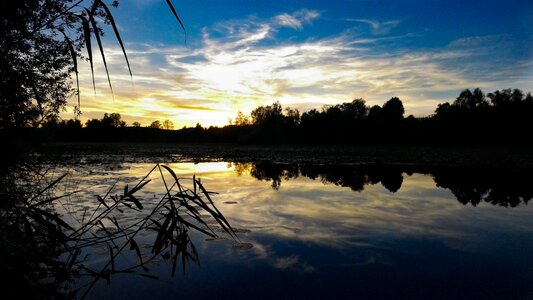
318 231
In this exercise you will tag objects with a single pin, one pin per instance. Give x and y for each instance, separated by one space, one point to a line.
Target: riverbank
301 154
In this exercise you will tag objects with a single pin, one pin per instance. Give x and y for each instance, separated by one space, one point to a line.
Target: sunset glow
304 56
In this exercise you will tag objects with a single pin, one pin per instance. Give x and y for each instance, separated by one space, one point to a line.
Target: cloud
240 65
377 27
473 41
297 19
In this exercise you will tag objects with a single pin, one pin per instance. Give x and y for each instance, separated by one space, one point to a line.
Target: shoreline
289 154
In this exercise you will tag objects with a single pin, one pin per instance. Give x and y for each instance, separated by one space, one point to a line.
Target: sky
239 54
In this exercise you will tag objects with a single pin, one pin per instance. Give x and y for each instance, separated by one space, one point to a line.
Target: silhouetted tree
34 64
393 109
469 120
375 113
156 124
356 109
113 120
136 124
267 114
292 115
471 100
168 125
93 124
241 119
40 44
500 97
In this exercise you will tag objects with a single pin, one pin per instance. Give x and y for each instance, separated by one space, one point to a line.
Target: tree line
473 118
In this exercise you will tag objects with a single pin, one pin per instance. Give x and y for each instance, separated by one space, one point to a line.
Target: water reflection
339 231
470 186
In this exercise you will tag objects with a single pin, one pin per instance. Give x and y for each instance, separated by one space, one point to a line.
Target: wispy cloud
377 27
297 19
240 65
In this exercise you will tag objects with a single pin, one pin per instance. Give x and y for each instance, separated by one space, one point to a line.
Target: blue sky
305 54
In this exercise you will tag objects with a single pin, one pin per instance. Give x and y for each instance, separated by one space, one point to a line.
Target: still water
332 232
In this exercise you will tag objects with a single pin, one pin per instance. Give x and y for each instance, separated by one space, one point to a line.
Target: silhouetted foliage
43 252
393 109
168 125
40 45
470 120
241 119
34 64
155 124
109 121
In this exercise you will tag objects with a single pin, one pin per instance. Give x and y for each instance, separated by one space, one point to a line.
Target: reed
47 253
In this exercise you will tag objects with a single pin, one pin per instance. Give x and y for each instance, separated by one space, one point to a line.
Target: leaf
117 34
28 231
74 63
176 15
52 229
139 186
95 6
112 256
99 41
55 218
73 258
196 227
49 186
218 216
104 229
161 236
87 35
171 173
194 182
114 221
53 199
135 201
133 245
195 257
101 200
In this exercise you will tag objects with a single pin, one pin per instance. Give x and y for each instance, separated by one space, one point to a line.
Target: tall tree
40 44
393 109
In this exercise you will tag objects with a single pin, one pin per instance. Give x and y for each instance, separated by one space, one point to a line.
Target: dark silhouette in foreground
43 252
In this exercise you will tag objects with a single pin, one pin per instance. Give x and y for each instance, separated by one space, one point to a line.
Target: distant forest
500 118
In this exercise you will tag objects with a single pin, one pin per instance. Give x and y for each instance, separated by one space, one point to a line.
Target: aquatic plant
46 253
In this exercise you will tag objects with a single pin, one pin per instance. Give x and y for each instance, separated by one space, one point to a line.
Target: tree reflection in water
508 188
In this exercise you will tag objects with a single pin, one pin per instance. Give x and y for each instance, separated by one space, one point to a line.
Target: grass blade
100 46
171 173
112 256
138 187
117 34
74 63
49 186
133 245
101 200
87 35
135 201
177 17
53 217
